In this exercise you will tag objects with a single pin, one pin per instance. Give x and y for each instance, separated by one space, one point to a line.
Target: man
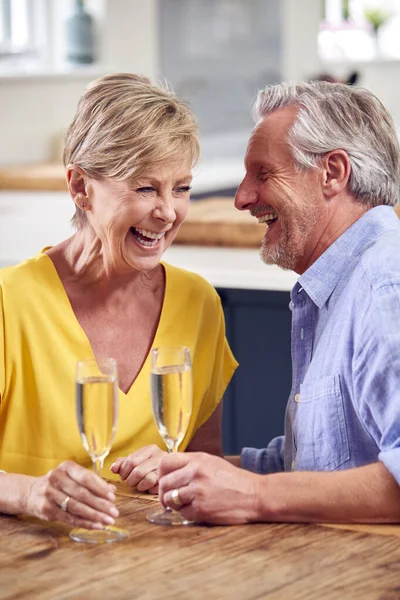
323 173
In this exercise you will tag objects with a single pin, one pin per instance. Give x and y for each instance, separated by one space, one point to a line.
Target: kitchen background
216 54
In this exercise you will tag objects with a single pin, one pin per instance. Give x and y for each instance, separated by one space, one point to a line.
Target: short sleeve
224 364
2 347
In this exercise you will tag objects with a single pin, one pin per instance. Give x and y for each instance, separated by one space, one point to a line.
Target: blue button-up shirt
344 406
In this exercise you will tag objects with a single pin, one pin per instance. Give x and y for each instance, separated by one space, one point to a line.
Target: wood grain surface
277 561
216 222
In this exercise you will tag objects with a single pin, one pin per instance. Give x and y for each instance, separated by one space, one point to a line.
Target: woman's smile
146 238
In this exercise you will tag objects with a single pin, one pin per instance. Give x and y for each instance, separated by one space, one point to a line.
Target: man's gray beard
285 253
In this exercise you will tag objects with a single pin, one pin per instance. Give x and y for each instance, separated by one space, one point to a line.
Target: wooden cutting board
216 222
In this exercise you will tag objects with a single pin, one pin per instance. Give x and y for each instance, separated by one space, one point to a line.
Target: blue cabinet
258 325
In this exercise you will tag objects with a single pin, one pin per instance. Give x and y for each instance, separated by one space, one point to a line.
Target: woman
103 292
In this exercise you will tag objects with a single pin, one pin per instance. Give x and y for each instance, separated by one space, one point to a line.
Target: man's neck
336 221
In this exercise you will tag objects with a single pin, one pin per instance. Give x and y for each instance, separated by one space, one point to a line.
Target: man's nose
245 197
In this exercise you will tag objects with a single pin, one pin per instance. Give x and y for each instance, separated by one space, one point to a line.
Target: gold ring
64 504
176 501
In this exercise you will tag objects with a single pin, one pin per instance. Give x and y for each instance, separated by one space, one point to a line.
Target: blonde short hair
125 126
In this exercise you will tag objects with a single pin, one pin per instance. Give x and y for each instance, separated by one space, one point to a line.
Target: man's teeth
150 234
268 217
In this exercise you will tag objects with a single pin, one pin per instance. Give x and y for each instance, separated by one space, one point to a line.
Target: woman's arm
208 438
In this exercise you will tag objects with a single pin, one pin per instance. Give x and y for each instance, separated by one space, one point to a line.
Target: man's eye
184 189
145 190
263 175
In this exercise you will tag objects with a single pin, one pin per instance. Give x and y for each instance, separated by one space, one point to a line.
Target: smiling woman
104 293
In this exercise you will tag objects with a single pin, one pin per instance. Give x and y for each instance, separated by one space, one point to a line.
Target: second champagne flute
171 398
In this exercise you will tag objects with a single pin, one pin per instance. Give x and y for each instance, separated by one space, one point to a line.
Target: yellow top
41 340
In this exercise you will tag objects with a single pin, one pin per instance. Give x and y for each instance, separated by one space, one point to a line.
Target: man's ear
76 181
336 170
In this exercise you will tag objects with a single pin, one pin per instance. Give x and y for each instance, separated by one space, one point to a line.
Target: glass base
167 517
98 536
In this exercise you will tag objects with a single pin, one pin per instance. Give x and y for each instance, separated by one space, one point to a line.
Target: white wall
35 110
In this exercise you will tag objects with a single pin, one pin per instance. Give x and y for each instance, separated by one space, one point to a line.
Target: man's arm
368 494
214 491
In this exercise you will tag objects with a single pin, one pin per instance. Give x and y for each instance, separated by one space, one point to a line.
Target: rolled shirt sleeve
266 460
377 374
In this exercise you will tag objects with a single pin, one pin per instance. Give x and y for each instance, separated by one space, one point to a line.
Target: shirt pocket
320 430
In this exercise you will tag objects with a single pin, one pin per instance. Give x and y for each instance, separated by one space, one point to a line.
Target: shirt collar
320 280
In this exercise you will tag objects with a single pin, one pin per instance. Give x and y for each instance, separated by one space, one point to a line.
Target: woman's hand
140 469
87 500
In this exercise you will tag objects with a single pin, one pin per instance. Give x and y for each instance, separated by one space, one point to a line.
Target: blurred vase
80 35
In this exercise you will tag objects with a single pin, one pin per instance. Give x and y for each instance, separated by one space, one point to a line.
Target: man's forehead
270 134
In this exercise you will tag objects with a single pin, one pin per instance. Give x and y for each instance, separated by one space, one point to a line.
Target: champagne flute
171 399
97 414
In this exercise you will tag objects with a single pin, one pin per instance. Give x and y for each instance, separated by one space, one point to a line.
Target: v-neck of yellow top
85 339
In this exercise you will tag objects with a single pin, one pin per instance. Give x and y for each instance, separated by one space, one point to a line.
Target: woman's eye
145 190
184 189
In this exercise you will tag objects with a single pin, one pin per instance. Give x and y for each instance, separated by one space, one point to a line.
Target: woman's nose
245 197
165 210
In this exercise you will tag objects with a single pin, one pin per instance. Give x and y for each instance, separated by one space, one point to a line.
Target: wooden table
277 561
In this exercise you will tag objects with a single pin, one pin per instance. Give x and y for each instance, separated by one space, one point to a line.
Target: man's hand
210 489
140 469
88 500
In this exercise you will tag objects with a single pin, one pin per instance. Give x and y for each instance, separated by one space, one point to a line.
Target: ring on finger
175 500
64 504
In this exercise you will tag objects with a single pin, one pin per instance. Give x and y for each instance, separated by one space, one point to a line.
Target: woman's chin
143 257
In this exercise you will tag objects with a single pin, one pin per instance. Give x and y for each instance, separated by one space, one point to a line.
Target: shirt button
297 398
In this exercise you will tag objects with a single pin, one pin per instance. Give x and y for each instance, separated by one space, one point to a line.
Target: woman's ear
76 181
336 170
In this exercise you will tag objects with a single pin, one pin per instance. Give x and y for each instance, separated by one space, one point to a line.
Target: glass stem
172 449
98 465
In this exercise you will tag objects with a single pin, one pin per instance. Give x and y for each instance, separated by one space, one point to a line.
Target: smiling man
323 174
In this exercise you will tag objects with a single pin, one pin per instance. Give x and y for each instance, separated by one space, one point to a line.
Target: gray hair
335 115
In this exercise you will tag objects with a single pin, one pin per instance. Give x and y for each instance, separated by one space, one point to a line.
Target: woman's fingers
85 511
87 479
146 471
83 493
148 482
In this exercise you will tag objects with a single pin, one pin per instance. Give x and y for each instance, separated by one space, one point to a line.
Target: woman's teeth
145 237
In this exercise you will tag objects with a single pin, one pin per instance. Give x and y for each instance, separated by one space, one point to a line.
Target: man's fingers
185 496
175 480
172 462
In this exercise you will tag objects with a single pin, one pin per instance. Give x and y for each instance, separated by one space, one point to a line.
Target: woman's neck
81 259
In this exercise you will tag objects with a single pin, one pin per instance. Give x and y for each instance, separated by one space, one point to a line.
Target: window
33 33
18 31
360 30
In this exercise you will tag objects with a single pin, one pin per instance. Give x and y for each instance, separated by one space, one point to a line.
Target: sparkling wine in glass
97 415
171 398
